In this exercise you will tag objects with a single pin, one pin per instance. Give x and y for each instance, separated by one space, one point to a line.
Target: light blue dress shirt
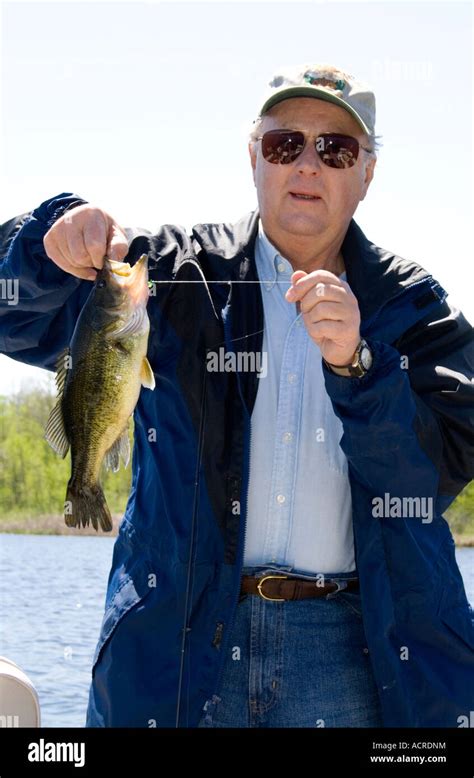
299 500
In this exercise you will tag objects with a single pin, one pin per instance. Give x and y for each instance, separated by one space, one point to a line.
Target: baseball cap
324 82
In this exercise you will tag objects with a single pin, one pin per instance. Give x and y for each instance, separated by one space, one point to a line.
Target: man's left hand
330 313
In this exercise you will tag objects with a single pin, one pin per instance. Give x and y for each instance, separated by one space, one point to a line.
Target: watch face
366 357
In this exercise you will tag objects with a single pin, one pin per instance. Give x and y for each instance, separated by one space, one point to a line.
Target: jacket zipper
192 550
244 501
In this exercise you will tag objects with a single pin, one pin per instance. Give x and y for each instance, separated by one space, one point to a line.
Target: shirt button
287 437
281 267
299 322
281 498
292 378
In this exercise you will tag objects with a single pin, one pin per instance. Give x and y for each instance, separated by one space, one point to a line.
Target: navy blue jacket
175 577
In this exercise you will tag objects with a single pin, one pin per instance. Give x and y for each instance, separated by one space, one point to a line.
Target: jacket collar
374 274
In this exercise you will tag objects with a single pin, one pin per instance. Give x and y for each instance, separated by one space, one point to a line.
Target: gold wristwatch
360 365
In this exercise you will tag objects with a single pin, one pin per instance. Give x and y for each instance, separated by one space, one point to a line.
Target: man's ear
253 157
369 174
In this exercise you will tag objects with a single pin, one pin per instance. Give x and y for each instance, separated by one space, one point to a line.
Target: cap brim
318 94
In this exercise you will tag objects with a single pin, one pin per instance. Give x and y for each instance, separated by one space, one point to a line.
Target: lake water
52 598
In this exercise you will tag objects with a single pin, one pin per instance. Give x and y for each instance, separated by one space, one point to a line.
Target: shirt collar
273 266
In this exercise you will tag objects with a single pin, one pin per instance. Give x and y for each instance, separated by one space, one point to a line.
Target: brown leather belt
279 588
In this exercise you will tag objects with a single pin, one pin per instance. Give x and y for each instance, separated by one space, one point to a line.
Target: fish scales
99 381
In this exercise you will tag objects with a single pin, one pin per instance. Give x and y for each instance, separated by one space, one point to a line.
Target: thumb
117 244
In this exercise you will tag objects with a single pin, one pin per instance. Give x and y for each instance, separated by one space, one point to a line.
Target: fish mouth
132 278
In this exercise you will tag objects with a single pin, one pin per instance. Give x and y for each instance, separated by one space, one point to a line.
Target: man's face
339 190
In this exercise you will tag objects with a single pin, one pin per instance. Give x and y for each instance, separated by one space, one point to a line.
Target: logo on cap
312 78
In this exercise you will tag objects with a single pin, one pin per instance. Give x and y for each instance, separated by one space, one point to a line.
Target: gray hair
373 141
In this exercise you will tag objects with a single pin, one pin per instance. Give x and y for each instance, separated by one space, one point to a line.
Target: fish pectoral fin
55 433
146 375
121 448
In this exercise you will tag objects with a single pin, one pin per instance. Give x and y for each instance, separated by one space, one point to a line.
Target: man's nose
309 160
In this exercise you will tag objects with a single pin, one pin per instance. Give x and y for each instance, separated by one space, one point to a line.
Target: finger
318 278
117 247
303 284
324 310
54 252
323 293
87 274
76 251
327 328
95 241
55 245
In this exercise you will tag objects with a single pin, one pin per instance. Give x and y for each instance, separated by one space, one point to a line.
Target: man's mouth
303 196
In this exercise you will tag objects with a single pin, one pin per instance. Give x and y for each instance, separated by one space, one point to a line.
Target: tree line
33 478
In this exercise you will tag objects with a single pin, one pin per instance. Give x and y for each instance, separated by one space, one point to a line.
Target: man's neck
305 255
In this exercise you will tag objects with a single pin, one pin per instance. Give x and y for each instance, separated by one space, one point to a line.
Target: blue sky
144 109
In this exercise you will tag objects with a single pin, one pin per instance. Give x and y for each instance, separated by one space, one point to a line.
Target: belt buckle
264 596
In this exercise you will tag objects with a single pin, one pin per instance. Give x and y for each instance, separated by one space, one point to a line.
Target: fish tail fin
86 503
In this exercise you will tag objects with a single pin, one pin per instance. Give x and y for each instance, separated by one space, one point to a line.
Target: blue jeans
298 663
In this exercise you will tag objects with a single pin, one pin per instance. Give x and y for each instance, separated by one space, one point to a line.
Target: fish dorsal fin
55 432
63 364
146 375
121 448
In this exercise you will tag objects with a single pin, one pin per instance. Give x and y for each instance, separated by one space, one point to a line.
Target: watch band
340 369
355 368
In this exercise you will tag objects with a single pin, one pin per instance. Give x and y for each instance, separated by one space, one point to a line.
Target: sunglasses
281 147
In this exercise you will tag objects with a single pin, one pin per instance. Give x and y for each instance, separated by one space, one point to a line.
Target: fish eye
101 284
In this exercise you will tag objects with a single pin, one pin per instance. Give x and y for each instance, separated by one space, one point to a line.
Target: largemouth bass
99 380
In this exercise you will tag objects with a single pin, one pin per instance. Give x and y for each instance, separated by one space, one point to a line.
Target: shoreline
54 525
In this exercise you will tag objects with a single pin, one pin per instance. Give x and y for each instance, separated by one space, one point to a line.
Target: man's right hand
80 239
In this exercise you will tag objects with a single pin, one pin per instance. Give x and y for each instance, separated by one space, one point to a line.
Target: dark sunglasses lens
282 147
339 151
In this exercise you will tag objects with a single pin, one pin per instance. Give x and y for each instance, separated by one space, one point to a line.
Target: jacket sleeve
38 316
9 230
410 432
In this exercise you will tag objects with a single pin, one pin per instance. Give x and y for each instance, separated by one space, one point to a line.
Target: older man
283 559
